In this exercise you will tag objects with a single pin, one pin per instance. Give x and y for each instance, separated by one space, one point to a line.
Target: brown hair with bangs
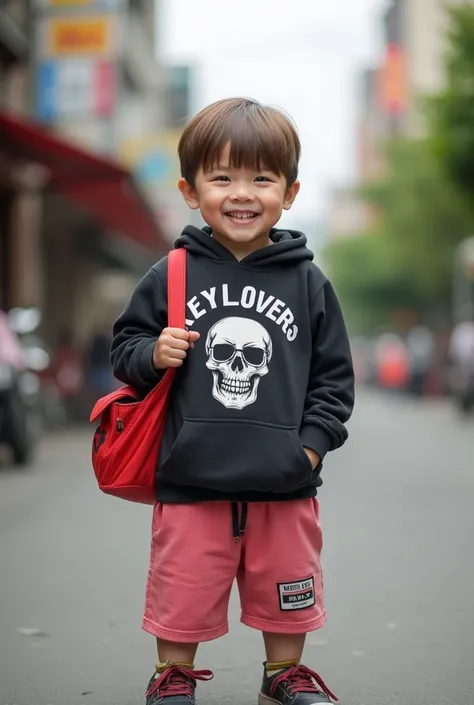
260 137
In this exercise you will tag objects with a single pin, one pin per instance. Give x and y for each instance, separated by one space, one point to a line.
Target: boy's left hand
313 457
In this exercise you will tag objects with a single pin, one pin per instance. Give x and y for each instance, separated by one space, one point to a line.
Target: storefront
67 216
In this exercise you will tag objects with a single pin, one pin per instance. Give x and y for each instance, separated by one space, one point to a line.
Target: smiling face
241 205
239 165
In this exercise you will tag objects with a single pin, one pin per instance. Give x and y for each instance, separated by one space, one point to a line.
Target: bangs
259 138
254 143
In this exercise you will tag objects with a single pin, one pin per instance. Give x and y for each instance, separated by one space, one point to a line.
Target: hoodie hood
289 246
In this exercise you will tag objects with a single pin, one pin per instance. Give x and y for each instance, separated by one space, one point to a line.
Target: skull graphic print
238 351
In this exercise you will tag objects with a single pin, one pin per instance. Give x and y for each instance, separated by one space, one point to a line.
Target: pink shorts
195 559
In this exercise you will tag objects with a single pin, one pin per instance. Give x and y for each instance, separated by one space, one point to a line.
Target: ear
189 194
291 193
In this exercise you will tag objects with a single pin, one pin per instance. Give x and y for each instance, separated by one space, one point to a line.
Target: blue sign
47 91
155 166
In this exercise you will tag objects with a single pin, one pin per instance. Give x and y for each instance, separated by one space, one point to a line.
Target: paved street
397 507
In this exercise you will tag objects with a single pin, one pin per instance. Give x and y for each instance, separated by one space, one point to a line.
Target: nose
237 363
241 192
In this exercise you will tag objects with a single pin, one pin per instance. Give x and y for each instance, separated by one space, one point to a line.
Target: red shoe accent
178 681
300 680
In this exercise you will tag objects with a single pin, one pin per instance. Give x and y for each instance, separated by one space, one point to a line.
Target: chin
243 234
244 237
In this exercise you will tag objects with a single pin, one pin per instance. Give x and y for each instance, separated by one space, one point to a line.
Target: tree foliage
451 112
426 205
407 261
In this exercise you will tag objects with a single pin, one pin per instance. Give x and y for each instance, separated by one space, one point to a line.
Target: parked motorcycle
25 322
20 411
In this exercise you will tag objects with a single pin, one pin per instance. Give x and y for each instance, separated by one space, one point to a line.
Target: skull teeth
232 386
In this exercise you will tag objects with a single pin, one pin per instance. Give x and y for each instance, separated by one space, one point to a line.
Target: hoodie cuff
145 369
314 437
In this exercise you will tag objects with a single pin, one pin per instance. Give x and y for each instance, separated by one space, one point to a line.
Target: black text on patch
296 596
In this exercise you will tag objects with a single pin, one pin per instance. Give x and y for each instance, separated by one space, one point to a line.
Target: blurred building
390 95
77 227
371 127
412 67
421 33
15 21
19 185
152 155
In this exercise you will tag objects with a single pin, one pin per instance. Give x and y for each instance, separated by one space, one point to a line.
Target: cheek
212 200
273 202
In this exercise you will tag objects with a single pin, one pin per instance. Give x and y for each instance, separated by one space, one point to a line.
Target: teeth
240 215
232 386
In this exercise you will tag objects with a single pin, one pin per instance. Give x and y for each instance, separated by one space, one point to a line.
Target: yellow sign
70 2
80 36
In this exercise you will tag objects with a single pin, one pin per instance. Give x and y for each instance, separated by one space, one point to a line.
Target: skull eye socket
254 356
222 352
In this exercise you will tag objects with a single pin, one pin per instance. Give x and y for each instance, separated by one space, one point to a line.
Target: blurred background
94 95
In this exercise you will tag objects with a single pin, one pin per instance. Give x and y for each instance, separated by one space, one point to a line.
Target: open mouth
242 216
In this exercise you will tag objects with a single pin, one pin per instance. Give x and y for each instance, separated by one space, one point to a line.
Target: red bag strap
177 288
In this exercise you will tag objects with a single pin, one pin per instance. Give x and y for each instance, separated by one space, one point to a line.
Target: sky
302 55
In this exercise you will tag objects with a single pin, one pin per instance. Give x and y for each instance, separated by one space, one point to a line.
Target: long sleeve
136 331
330 394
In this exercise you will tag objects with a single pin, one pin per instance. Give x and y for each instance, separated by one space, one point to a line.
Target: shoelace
178 681
300 680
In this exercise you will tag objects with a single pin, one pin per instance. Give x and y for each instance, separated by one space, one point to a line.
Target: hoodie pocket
237 457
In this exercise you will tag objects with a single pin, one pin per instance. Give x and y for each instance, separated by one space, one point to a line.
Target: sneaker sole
265 699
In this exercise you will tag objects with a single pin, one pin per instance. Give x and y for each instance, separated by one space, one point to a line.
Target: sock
161 667
272 668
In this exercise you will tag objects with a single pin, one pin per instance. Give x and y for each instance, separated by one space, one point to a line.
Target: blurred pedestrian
461 353
461 345
100 377
392 362
420 344
264 390
67 372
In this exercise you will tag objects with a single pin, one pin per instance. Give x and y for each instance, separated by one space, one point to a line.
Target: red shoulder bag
127 442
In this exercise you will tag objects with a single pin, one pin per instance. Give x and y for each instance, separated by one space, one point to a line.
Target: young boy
263 390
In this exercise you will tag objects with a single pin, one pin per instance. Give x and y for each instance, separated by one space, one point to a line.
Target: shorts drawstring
238 527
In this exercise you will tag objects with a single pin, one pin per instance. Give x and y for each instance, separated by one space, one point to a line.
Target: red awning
100 185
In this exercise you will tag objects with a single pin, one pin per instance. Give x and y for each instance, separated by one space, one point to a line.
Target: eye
262 179
222 178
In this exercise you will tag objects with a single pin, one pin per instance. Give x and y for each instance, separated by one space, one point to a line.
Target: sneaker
295 685
176 685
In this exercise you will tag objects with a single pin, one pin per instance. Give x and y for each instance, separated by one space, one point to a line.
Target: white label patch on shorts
296 596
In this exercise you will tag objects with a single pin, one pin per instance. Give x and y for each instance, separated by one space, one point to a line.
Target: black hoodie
270 374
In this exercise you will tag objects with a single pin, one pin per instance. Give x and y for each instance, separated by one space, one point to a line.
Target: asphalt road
397 507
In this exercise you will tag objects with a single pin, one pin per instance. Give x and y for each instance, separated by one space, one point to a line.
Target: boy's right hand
172 347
